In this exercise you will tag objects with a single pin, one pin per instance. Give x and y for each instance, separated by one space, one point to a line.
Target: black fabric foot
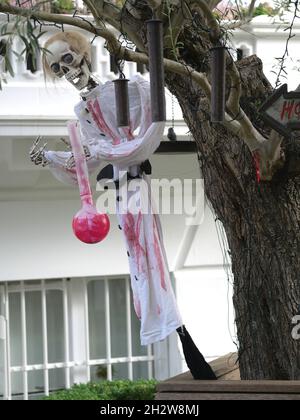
106 173
199 368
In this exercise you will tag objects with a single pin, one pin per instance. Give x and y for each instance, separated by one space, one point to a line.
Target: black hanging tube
122 102
218 81
156 69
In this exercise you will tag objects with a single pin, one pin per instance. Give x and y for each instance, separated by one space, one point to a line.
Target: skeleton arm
60 163
39 155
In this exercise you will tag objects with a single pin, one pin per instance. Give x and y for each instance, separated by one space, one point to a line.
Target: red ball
89 226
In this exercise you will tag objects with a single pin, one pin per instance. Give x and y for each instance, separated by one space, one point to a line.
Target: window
94 58
3 54
239 54
243 51
113 64
67 331
114 332
31 61
31 352
2 341
141 68
2 47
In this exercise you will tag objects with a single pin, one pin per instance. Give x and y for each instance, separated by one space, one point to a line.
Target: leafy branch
106 11
281 60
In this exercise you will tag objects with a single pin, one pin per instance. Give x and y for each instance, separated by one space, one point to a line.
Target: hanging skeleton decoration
70 56
128 150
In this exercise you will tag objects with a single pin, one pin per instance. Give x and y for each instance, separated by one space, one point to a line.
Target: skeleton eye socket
55 67
67 58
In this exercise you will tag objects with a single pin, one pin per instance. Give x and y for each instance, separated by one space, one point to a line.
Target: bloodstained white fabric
126 149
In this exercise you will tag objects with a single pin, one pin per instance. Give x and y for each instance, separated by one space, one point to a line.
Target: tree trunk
262 225
261 220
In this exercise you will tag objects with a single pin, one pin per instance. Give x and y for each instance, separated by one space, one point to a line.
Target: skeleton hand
70 163
37 153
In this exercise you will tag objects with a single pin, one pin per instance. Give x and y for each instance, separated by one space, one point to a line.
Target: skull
68 54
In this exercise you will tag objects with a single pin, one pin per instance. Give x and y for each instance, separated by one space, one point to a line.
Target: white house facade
66 313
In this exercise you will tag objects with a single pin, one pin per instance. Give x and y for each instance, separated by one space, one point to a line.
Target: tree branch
209 16
212 4
113 44
154 4
115 47
94 11
107 10
235 24
246 19
269 150
176 22
238 122
178 19
251 8
233 101
55 18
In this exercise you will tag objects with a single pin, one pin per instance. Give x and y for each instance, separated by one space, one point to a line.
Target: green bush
106 390
263 9
62 6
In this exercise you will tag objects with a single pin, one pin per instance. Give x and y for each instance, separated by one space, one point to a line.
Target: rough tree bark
262 225
261 221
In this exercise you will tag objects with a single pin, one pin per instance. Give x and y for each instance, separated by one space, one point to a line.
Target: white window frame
77 362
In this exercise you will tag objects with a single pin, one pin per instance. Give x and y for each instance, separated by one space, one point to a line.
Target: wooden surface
227 387
275 387
166 396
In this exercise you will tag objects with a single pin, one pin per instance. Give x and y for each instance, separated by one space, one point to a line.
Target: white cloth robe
154 300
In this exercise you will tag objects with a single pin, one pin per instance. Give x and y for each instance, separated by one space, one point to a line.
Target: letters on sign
282 111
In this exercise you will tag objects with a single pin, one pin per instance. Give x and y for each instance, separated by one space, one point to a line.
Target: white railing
100 59
76 340
19 85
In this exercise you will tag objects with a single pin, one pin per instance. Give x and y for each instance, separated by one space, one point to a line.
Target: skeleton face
63 61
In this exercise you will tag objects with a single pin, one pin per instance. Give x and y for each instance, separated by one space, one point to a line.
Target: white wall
204 292
36 211
37 242
205 298
267 37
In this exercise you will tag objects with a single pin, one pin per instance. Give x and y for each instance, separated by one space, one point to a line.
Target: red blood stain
97 115
256 158
159 257
132 232
86 199
128 133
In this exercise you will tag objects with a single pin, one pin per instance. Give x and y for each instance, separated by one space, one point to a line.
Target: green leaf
25 41
8 66
18 55
41 34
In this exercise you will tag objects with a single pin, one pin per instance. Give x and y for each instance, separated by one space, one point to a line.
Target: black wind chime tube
218 81
122 102
156 69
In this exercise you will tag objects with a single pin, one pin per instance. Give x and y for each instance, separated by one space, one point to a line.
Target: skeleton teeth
74 75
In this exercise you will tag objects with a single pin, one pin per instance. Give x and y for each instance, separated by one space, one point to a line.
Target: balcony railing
29 68
46 100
